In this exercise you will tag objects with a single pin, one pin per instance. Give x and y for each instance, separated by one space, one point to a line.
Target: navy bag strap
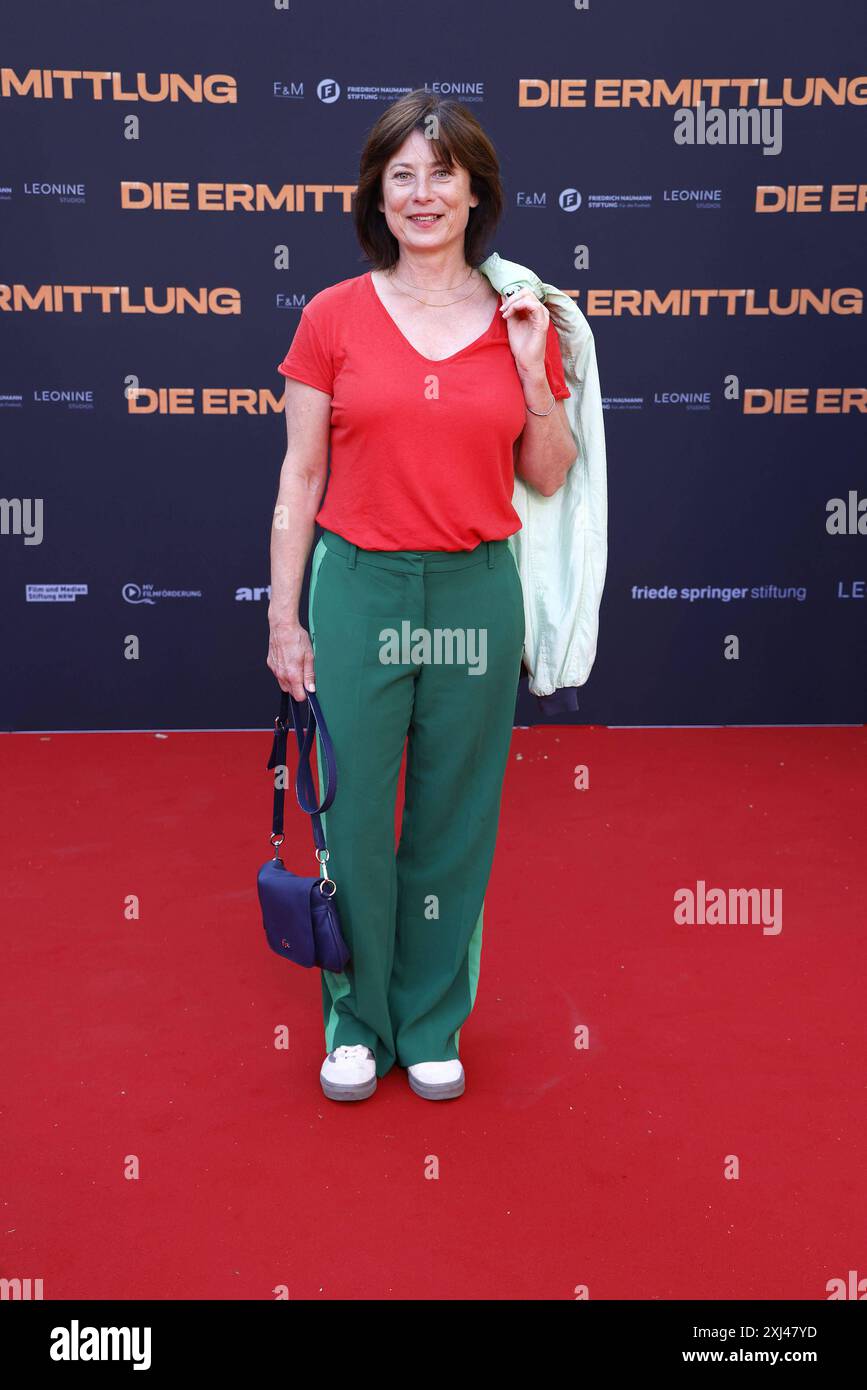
305 733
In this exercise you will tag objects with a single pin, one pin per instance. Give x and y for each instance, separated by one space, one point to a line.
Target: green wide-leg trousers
423 649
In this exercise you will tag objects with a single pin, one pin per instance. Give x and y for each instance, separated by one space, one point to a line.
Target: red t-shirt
421 451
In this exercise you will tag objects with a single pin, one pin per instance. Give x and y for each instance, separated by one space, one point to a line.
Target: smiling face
425 203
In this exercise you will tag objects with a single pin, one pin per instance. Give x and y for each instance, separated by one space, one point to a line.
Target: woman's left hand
527 326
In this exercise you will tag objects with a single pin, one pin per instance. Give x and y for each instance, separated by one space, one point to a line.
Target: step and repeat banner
177 183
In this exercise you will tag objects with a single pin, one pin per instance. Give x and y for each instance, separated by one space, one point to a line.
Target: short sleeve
308 359
554 364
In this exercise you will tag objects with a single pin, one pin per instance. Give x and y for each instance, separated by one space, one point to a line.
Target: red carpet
151 1041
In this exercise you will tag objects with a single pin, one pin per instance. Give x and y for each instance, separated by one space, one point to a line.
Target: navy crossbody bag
299 914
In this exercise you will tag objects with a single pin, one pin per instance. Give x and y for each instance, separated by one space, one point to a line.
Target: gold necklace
438 289
459 300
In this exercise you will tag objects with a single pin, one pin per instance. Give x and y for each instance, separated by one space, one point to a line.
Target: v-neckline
433 361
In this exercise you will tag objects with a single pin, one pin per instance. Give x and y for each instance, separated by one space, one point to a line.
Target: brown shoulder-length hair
460 140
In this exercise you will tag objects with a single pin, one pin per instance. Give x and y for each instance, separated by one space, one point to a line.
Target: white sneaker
349 1073
437 1080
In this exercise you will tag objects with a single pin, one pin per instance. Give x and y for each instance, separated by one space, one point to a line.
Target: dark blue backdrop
180 500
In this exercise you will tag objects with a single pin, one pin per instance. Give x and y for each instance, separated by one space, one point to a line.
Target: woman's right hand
290 657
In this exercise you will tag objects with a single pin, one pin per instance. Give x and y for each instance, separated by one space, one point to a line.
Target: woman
429 394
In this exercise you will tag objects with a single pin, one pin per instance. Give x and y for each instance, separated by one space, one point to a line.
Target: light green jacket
562 548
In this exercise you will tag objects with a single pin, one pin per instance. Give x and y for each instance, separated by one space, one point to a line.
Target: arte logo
256 595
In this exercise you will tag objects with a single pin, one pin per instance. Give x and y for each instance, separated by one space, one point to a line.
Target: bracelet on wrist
543 412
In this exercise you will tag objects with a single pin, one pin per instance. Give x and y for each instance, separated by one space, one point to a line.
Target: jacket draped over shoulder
562 548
